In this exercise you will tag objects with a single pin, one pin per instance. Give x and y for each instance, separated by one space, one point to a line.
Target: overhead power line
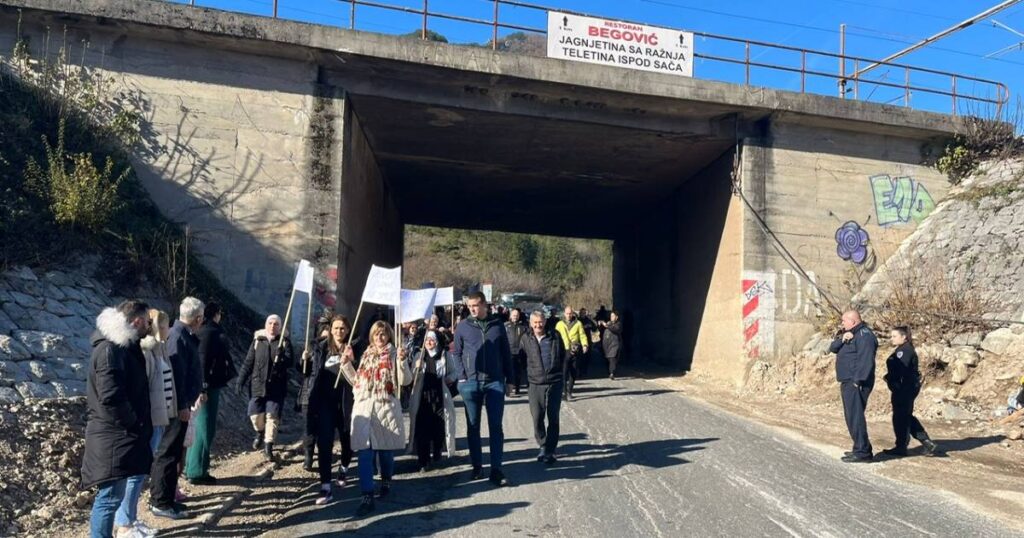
821 29
948 31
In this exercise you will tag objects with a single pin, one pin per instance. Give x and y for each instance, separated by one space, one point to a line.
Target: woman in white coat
431 408
378 428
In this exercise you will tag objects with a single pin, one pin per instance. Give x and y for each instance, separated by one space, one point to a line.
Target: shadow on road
429 523
416 492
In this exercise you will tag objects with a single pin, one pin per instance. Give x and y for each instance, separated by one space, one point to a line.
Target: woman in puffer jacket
378 428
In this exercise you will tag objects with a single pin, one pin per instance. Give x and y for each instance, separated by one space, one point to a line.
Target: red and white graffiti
758 313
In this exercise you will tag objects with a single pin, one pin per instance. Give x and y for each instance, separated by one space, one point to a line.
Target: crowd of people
154 389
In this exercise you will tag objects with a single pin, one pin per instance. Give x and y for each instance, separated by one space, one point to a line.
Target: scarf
376 375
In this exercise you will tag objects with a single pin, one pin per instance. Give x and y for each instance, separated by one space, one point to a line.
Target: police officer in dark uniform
855 347
904 380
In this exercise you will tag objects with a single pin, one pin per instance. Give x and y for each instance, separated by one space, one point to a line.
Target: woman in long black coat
611 342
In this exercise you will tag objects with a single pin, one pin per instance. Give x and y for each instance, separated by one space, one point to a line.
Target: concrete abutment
277 140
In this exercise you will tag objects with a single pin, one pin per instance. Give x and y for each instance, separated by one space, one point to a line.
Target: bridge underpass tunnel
662 197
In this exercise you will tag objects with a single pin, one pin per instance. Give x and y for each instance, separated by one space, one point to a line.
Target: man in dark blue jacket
855 349
183 354
483 364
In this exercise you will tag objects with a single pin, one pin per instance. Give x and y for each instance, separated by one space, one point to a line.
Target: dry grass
923 296
595 291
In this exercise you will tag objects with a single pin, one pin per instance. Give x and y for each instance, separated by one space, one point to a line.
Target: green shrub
957 161
79 194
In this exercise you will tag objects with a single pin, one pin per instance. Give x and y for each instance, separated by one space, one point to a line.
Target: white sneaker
146 530
129 532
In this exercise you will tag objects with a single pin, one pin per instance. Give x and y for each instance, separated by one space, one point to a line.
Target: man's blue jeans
108 498
477 395
128 512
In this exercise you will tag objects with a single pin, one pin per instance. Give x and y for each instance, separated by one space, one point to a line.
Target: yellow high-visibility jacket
572 335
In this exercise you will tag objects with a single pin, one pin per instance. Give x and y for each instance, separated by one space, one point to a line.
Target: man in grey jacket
855 347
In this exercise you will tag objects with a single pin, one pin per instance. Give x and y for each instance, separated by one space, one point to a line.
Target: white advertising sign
622 44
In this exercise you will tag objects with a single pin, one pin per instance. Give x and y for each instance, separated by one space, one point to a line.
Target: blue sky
875 28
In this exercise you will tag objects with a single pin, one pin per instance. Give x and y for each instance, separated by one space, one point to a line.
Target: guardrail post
954 95
275 9
746 61
352 16
494 36
856 80
906 87
803 71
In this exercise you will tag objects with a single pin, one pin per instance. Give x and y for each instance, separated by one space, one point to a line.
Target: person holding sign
321 401
378 427
483 363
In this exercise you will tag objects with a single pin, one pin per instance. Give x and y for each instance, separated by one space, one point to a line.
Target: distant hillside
575 272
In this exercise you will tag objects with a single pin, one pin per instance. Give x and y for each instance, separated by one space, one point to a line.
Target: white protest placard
621 44
445 296
304 277
487 290
383 286
417 304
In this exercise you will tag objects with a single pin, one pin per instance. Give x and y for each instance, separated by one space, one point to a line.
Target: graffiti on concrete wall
853 244
326 286
795 295
758 313
898 200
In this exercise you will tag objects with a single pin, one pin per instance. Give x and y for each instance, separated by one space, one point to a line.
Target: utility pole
842 61
952 29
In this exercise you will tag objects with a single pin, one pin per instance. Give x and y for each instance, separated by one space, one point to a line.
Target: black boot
366 506
385 488
930 448
307 462
268 452
257 443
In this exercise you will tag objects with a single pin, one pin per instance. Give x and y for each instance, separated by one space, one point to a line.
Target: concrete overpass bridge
280 140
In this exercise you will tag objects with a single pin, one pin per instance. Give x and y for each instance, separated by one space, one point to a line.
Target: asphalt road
639 460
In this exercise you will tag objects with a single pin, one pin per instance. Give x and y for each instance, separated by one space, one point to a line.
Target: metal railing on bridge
932 89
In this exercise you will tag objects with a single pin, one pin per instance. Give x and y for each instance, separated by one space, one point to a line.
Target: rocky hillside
45 323
46 318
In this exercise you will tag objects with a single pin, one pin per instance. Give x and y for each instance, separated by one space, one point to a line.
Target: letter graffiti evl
900 199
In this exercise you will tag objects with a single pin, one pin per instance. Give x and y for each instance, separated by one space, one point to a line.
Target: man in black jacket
855 349
545 354
215 357
265 374
516 329
119 428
